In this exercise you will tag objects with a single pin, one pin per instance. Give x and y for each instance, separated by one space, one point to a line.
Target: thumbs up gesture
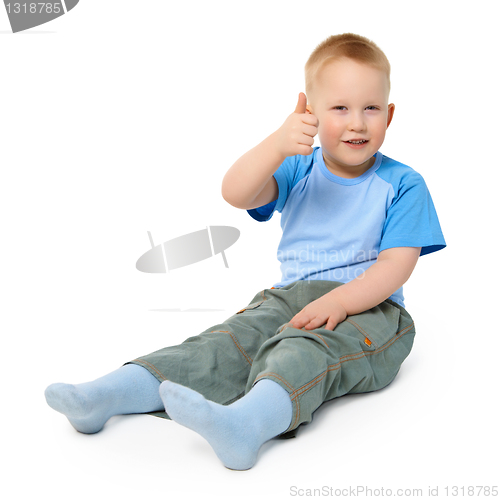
296 135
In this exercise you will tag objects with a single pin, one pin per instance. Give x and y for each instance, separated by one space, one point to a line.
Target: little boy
354 224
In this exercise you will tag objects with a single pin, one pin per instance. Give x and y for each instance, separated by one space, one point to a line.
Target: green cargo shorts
362 354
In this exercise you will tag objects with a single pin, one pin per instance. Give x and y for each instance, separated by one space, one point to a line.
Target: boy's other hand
296 135
323 311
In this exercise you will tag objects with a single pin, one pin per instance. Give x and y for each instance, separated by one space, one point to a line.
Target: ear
390 113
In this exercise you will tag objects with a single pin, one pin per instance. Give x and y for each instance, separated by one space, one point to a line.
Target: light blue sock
88 406
235 432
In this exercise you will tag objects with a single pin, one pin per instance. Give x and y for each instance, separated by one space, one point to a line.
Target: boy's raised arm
249 183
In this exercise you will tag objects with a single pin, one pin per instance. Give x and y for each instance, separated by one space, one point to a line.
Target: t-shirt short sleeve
289 173
411 219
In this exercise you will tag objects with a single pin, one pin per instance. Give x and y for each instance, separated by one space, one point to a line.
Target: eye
372 108
339 108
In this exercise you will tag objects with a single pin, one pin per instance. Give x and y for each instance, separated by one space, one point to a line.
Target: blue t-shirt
334 228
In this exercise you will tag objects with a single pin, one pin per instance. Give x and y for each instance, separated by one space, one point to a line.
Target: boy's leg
88 406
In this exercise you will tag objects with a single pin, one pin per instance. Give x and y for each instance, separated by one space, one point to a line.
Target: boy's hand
393 267
324 311
296 135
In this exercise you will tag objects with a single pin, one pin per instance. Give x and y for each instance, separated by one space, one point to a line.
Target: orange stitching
240 348
152 367
318 335
238 345
246 308
297 411
312 382
286 325
408 328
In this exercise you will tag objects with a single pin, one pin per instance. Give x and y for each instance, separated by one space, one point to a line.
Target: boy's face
350 101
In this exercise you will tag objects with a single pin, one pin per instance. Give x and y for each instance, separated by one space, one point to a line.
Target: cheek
329 129
379 134
379 127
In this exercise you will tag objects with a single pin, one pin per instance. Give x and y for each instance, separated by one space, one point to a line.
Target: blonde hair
348 45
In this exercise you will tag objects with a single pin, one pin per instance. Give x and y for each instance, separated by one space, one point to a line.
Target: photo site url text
365 491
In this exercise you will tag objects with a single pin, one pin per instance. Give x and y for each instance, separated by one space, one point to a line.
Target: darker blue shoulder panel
289 173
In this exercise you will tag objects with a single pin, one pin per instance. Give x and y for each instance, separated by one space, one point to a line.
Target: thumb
301 104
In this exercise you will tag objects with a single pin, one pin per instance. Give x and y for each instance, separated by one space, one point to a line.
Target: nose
357 122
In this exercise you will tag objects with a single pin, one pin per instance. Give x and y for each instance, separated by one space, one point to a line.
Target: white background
122 117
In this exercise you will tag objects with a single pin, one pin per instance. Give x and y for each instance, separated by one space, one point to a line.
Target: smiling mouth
361 141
